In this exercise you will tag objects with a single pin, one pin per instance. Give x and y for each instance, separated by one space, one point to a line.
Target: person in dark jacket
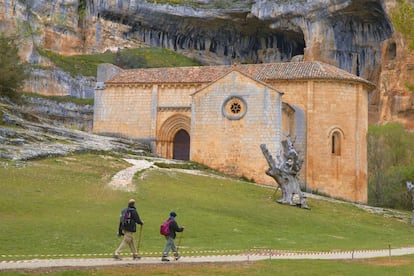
127 228
170 245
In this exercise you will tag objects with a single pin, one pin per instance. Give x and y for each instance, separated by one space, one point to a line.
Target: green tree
12 71
390 165
402 17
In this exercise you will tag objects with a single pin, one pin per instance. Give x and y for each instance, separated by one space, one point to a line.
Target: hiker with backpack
169 229
127 227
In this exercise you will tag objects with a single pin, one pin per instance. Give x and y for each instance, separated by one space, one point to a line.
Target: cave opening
285 44
358 73
292 44
390 51
266 46
254 41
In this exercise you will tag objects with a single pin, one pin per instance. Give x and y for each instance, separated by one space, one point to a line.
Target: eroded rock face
348 33
55 82
66 114
27 133
394 99
345 33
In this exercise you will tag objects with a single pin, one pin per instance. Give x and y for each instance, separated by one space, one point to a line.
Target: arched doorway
181 148
173 138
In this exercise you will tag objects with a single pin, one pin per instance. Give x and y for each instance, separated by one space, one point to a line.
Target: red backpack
165 227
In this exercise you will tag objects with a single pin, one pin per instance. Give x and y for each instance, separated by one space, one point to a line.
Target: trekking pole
139 239
179 240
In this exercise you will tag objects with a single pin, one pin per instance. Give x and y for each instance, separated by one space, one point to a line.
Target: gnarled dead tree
285 172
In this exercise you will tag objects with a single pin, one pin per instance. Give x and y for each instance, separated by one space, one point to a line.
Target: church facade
219 116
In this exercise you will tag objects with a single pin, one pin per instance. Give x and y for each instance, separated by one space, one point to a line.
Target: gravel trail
101 262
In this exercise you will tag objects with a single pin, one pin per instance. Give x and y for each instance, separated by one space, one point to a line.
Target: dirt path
101 262
123 179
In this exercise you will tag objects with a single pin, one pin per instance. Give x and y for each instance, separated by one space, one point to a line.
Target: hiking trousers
170 245
128 240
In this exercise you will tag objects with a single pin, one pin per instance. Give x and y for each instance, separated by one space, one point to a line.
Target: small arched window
336 143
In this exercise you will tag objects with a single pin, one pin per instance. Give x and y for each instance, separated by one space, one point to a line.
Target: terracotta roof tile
262 72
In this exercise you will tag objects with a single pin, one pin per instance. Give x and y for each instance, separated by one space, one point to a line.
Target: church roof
262 72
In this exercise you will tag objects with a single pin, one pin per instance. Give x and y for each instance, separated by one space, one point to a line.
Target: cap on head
173 214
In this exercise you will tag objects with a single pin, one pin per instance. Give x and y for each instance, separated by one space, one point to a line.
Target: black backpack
125 218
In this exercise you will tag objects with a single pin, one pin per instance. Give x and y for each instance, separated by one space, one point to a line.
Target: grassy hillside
151 57
63 206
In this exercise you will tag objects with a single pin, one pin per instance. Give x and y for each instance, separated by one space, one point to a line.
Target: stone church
219 116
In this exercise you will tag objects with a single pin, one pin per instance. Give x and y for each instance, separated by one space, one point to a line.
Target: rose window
234 108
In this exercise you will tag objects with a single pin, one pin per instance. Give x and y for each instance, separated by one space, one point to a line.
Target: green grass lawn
221 215
62 205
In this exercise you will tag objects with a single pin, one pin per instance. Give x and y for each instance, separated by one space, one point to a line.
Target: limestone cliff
355 35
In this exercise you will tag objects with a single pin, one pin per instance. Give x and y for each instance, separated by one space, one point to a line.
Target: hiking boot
116 257
136 258
165 259
177 256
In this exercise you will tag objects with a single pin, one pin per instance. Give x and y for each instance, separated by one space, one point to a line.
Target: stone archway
173 139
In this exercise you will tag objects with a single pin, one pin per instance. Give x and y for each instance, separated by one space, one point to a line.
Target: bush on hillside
12 71
390 165
127 59
86 65
402 17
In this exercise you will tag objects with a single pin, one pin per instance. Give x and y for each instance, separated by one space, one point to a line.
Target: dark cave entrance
288 43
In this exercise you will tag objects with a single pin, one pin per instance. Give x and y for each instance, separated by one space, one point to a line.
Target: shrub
390 165
402 17
12 71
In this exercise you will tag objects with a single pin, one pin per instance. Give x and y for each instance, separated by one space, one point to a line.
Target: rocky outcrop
346 33
25 135
394 99
350 34
55 82
66 114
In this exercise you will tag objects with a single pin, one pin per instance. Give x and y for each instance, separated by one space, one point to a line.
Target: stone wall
230 141
122 110
175 95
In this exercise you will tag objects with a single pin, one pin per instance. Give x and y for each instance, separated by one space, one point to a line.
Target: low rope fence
271 253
